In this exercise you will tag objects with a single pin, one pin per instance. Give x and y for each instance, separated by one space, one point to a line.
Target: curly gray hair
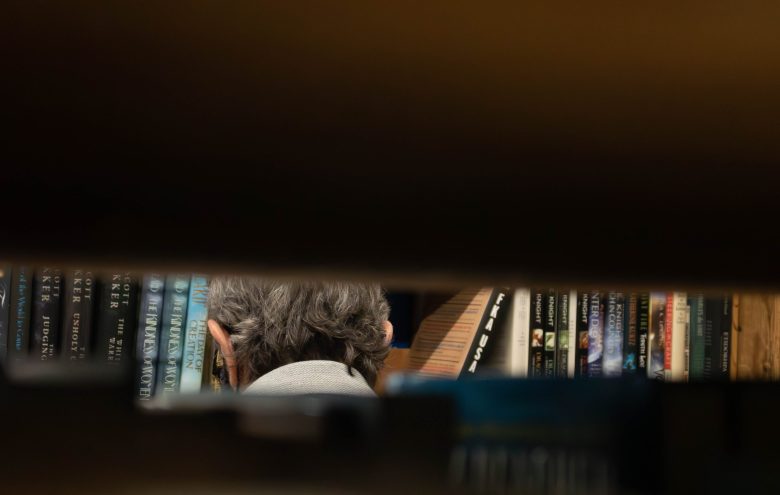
273 323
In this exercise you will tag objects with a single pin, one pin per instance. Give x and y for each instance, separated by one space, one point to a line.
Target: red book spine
669 320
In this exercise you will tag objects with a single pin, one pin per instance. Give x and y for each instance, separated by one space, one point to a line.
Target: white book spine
679 331
521 322
573 342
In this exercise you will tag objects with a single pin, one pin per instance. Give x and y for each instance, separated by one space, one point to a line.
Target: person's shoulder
311 377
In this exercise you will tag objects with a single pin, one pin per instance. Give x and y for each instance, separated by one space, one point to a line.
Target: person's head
261 324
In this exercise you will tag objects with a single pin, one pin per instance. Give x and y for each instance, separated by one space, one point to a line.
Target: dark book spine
696 354
630 334
613 334
581 348
536 334
6 282
550 307
492 320
711 333
724 347
172 333
78 307
116 315
643 330
46 310
564 339
148 335
21 302
595 335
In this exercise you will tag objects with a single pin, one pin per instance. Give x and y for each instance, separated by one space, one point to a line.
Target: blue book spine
195 336
150 319
171 342
595 335
21 299
6 283
613 335
46 310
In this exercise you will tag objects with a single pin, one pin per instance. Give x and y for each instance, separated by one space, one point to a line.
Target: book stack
553 333
114 318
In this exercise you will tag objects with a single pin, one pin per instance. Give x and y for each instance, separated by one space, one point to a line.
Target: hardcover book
195 335
613 335
562 324
724 340
630 334
78 308
643 330
456 338
21 302
571 364
538 312
171 336
519 331
116 317
595 335
581 350
678 334
711 338
148 335
656 336
550 307
46 309
696 370
6 283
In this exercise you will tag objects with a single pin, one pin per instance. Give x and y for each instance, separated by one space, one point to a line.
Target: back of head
273 323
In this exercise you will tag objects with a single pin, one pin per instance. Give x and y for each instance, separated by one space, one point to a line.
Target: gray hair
273 323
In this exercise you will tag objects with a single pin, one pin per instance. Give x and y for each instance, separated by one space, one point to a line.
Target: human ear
222 338
388 329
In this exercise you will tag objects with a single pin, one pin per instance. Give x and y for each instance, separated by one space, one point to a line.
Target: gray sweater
311 377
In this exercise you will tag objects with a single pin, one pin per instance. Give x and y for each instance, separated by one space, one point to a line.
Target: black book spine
78 307
46 310
643 328
581 349
536 334
148 335
116 315
724 347
711 336
492 320
563 337
630 334
21 302
6 282
550 307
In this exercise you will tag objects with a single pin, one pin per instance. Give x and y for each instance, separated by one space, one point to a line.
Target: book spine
643 328
550 307
630 334
581 358
493 319
696 345
46 310
668 330
711 332
613 335
595 335
656 336
174 314
521 319
78 307
724 347
571 364
6 282
679 324
536 365
117 311
195 335
21 303
148 335
563 336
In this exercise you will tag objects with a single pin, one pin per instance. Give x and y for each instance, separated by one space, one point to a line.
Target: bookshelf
427 147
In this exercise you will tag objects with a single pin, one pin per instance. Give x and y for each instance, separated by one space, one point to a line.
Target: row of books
671 336
550 333
160 323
